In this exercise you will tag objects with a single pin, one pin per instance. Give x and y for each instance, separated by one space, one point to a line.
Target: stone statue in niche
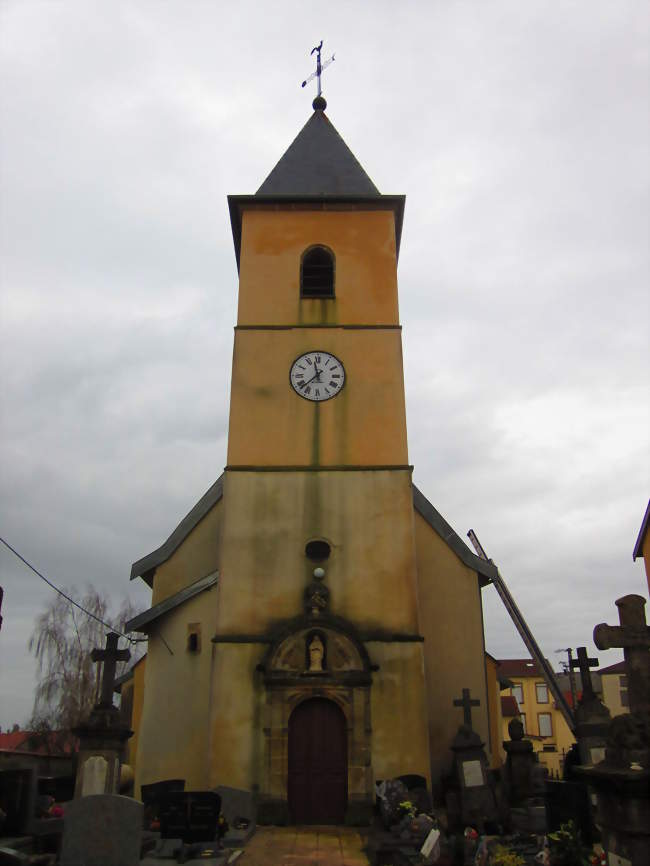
316 650
317 597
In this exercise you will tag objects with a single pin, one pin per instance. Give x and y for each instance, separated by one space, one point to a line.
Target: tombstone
472 800
418 793
518 771
391 793
622 780
152 793
103 735
18 791
102 829
591 716
238 808
191 816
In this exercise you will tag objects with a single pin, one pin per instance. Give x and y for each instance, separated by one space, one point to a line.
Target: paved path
305 846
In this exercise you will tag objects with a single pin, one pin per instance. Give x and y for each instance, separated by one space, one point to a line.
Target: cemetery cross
584 663
466 703
633 636
110 656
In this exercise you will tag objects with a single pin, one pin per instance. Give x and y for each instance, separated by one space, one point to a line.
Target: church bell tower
317 453
302 634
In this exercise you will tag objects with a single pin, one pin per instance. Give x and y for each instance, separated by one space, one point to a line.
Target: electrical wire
67 597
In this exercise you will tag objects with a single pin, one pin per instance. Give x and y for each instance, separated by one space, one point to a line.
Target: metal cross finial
466 703
319 68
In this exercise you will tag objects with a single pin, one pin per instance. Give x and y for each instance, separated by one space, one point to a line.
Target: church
313 616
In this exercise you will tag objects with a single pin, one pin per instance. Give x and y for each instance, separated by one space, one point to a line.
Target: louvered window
317 273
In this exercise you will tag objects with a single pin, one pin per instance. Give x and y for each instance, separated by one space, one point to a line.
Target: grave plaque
102 829
473 774
93 775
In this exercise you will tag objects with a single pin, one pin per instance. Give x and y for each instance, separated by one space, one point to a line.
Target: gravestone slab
102 829
237 806
18 791
189 815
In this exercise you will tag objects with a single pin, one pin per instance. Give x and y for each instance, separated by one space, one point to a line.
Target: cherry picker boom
527 637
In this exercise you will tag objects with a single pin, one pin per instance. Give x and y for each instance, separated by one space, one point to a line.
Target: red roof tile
518 668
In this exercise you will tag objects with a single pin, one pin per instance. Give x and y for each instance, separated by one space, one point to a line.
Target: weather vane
319 68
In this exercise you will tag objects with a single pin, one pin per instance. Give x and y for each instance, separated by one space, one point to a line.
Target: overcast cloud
519 134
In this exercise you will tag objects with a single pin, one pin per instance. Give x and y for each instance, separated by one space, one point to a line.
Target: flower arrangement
504 856
407 809
567 848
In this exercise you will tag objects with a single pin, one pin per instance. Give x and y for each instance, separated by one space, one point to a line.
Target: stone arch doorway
317 780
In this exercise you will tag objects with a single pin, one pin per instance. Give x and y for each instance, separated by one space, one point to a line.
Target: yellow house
614 685
543 723
642 546
313 616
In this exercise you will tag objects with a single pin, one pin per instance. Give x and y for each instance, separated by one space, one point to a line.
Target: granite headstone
102 829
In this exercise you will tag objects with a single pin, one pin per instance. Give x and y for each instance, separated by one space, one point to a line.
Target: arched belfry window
317 273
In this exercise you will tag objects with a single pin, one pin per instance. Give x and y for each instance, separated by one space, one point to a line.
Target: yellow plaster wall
236 737
271 425
451 622
197 557
174 727
136 712
612 693
494 712
365 516
398 711
363 243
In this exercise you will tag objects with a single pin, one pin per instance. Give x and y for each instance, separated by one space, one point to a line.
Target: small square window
194 637
545 725
541 691
517 692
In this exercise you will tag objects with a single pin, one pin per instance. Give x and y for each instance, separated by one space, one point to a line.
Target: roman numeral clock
317 375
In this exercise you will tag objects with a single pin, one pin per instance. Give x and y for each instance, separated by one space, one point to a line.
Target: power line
67 597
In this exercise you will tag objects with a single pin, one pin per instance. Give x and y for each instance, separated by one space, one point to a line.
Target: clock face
317 375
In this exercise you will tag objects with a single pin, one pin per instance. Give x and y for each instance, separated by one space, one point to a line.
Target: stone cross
584 663
466 703
110 656
633 636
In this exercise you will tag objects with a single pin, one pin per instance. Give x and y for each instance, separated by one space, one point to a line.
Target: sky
519 134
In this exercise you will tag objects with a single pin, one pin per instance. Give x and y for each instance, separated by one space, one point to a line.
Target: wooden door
318 763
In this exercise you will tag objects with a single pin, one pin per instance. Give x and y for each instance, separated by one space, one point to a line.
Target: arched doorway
318 763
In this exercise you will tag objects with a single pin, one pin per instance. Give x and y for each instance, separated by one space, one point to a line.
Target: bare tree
62 641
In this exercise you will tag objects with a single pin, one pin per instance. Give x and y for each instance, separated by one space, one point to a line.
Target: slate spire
318 163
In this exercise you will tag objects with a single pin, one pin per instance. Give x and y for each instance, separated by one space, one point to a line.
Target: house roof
518 668
143 620
509 707
34 743
146 566
318 170
318 162
618 668
638 547
486 570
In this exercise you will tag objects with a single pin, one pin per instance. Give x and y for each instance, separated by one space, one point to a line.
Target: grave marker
633 637
102 829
